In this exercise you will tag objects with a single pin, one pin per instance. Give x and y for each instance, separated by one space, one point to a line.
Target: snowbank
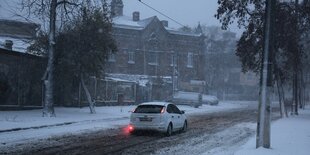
289 136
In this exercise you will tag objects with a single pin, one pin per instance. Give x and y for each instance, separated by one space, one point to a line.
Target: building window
131 57
111 57
173 60
153 58
190 59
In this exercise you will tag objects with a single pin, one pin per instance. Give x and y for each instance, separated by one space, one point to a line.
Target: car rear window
148 109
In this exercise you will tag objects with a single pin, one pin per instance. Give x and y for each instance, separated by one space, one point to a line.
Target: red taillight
162 110
130 128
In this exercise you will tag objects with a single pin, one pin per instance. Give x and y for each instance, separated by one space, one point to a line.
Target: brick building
167 58
152 61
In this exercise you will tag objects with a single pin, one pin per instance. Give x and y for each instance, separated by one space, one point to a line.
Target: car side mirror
182 112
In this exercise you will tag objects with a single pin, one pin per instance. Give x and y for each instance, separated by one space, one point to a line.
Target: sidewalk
289 136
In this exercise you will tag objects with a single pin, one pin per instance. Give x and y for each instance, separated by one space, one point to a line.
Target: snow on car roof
155 103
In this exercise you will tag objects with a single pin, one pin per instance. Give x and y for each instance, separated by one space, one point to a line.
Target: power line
161 13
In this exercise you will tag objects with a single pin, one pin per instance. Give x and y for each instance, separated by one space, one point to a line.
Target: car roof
155 103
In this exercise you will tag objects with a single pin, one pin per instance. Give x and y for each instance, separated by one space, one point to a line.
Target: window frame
190 60
111 57
151 56
131 57
173 60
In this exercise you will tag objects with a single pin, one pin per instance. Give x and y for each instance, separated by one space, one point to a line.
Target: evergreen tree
82 48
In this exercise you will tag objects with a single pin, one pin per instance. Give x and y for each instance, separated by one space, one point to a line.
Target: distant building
223 68
167 58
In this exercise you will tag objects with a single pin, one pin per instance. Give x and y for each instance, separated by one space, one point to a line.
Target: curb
37 127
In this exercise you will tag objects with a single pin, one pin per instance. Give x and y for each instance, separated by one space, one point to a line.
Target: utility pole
264 116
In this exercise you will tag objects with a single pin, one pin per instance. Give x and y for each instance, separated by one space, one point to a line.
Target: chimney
117 8
165 23
136 16
8 44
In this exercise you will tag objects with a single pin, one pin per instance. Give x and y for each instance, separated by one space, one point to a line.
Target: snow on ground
288 136
221 143
229 140
78 120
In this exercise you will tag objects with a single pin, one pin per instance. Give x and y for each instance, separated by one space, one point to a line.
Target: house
20 72
20 79
168 59
153 61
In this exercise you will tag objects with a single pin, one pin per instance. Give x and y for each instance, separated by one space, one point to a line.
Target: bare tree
48 8
88 31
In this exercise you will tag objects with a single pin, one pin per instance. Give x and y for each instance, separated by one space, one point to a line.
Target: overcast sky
186 12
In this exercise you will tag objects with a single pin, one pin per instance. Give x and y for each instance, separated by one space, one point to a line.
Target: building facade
153 61
20 72
20 79
170 59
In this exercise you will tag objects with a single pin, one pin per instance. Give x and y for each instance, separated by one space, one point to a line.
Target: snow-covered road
213 130
202 132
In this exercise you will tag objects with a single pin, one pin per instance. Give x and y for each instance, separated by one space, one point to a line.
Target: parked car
209 99
187 98
159 116
194 99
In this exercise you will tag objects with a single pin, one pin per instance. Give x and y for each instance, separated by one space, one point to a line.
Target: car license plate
145 119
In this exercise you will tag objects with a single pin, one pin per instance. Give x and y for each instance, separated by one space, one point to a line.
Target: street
200 137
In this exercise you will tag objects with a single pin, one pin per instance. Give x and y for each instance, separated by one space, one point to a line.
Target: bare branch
247 10
67 2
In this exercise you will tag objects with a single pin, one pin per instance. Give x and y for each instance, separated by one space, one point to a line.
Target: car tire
169 130
134 132
184 129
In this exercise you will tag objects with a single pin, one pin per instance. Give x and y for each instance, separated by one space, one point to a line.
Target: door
178 115
173 116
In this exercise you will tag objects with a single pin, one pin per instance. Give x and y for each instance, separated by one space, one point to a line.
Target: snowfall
288 135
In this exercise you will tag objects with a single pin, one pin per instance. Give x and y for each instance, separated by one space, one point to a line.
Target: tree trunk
301 90
297 63
280 92
88 96
283 99
295 93
281 102
48 110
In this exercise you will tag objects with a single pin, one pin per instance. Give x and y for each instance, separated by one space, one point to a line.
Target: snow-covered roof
117 79
126 22
19 44
193 96
174 31
141 80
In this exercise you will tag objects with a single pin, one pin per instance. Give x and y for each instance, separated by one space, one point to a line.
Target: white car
159 116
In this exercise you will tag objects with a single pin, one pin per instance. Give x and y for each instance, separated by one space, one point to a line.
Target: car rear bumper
160 128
